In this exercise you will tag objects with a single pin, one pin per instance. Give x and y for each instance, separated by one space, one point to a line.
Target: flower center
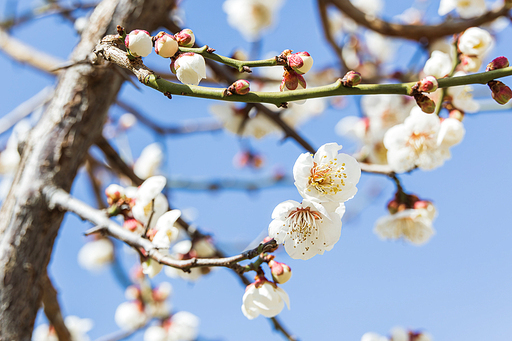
420 142
303 225
327 178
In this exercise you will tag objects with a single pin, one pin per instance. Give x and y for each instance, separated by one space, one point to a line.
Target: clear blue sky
456 287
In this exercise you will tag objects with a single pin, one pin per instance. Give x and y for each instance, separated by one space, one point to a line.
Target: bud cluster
140 43
295 65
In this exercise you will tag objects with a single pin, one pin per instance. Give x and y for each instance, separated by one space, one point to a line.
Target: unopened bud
240 87
165 45
185 38
425 103
114 193
126 121
351 78
131 224
470 63
456 114
281 272
300 62
500 92
292 81
428 84
497 63
139 43
422 204
393 206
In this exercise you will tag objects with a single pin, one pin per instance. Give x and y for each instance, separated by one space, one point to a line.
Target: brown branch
90 167
417 32
116 162
196 127
322 8
52 309
58 198
27 54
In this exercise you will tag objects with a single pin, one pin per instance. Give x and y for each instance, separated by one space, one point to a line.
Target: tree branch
52 309
417 32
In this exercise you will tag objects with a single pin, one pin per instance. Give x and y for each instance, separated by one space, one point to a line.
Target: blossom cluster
190 68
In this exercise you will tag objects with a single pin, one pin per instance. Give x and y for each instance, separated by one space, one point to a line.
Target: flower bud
126 121
500 92
185 38
190 68
425 103
165 45
428 84
114 193
281 272
139 43
470 63
351 78
240 87
497 63
300 62
292 81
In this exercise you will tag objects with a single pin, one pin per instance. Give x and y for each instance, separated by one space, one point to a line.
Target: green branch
334 89
240 65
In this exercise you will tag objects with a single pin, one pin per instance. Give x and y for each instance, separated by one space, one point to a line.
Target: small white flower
251 17
369 7
451 132
95 254
190 68
144 206
306 229
167 232
184 326
149 161
78 327
370 336
475 42
465 8
155 333
462 97
151 267
327 176
438 65
414 143
165 45
265 298
139 42
399 334
130 315
415 225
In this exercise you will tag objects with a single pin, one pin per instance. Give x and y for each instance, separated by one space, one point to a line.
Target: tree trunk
56 148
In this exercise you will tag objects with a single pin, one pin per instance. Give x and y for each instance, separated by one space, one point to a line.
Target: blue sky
456 287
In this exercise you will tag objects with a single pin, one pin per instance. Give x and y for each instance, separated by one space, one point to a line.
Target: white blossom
148 192
462 97
371 336
130 315
369 7
415 143
251 17
399 334
265 298
475 42
184 326
190 68
139 42
77 327
438 65
149 161
151 267
465 8
327 176
415 225
306 229
155 333
167 232
166 45
95 254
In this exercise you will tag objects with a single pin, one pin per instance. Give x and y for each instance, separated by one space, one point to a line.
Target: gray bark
52 155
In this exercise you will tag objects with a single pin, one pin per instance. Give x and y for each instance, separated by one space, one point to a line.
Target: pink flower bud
351 78
497 63
292 81
114 193
300 62
165 45
240 87
428 84
281 272
185 38
425 103
500 92
139 43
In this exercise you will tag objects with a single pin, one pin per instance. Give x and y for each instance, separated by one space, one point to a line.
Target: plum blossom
95 254
263 298
166 230
416 142
149 200
371 336
165 45
462 97
149 161
327 176
189 68
151 267
413 224
130 315
438 65
251 17
306 229
475 42
139 43
77 327
465 8
182 326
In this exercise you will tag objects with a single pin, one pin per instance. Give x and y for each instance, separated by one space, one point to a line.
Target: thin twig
116 162
328 35
52 309
90 166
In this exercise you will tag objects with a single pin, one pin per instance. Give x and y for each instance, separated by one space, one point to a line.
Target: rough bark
57 147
